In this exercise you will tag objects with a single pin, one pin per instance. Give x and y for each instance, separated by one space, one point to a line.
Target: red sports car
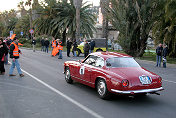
111 72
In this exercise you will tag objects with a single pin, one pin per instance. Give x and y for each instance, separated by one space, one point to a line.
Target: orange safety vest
54 43
16 50
59 46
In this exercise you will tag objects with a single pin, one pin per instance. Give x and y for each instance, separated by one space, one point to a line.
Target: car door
86 68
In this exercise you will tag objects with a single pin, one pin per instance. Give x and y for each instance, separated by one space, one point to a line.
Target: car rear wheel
102 89
68 76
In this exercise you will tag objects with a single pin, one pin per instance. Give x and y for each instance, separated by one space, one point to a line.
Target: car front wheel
68 76
102 89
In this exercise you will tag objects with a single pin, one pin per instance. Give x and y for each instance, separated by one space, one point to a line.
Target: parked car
100 45
111 72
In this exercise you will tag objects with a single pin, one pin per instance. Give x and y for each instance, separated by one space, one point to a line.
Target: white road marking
65 96
169 81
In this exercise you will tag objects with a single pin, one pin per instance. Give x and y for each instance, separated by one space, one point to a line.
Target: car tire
78 52
99 50
68 76
102 89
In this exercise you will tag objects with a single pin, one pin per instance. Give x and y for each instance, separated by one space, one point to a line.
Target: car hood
131 73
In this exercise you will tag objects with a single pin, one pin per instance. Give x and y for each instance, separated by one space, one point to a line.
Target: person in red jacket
14 55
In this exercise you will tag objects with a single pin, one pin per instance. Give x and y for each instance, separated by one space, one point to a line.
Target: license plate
145 79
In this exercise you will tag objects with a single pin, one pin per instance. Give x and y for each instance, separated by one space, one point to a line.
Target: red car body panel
112 76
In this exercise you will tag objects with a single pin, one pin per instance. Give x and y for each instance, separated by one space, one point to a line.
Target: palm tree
77 4
104 4
67 20
47 14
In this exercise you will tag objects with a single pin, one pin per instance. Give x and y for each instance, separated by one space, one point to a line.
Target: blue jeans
46 49
90 51
15 63
74 53
158 60
60 54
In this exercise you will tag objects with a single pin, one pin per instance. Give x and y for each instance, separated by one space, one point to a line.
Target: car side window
90 60
99 62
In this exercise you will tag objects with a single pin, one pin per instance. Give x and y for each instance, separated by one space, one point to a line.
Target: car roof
107 54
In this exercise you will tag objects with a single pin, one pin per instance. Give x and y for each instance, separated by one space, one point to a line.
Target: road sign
31 31
21 33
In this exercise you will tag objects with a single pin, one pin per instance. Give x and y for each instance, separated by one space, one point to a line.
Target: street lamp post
77 4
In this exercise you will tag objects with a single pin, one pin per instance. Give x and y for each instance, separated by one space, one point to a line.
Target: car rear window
121 62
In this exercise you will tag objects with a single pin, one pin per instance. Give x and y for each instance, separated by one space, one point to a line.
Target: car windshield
121 62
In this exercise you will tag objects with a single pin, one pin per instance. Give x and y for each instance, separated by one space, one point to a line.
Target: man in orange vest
60 47
14 55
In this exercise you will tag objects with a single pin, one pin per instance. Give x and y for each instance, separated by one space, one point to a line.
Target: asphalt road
43 93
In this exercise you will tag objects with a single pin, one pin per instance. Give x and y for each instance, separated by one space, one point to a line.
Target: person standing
14 55
86 48
74 48
33 44
165 51
8 42
92 46
42 44
69 44
159 50
3 53
46 43
60 48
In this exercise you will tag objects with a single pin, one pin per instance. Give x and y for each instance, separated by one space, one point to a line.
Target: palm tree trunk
103 4
78 4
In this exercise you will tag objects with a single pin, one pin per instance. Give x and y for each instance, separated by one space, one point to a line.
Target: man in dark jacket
165 51
33 44
159 50
69 44
46 43
86 48
92 46
14 55
3 53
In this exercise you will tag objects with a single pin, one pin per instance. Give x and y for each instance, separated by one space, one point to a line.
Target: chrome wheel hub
101 88
67 75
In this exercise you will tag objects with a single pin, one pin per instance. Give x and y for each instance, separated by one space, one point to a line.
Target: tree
164 30
104 4
67 20
134 19
77 4
8 21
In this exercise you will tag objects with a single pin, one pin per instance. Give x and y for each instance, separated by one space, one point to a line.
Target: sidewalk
154 63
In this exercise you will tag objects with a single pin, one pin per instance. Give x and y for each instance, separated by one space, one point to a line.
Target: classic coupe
111 72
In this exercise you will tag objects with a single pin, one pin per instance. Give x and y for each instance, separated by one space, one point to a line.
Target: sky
12 4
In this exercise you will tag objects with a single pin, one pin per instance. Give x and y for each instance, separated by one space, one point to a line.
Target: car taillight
160 80
125 83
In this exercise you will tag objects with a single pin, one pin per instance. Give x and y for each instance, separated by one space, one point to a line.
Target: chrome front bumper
138 91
